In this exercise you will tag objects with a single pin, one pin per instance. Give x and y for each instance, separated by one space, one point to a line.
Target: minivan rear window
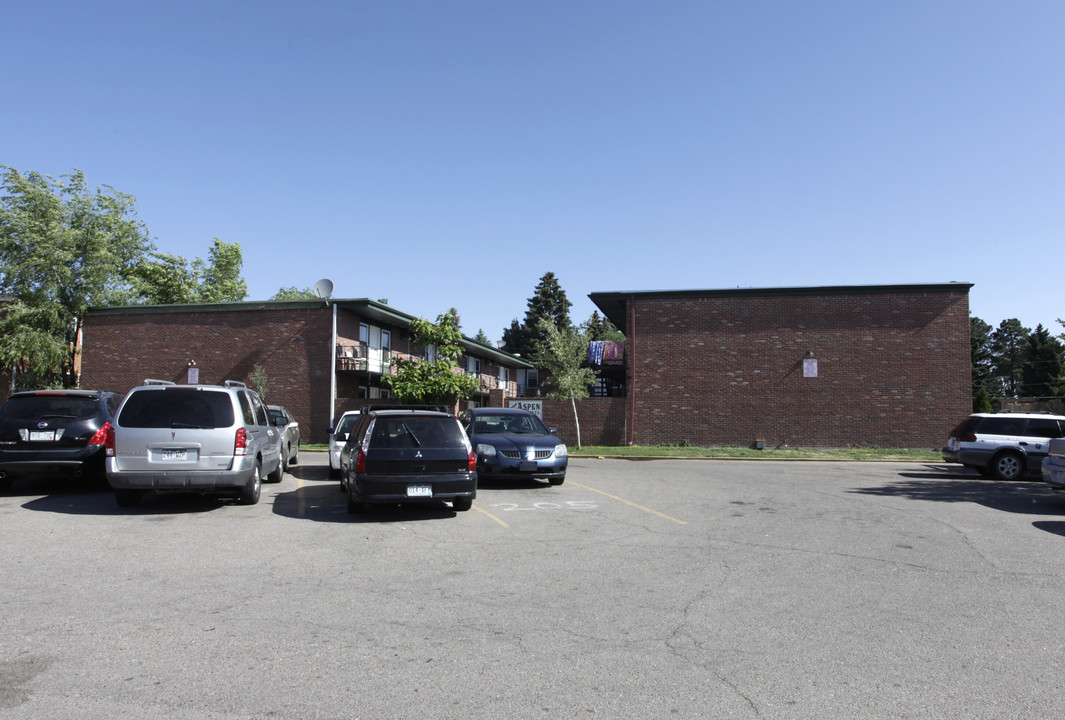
177 407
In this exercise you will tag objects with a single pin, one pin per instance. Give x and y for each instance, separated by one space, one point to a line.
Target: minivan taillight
360 463
105 436
240 445
473 462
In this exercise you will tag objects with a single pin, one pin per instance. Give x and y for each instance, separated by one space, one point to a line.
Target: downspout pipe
630 355
333 372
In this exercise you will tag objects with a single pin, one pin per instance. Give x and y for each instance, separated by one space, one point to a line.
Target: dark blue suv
55 433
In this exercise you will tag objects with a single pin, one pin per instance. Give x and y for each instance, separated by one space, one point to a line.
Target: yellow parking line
485 512
627 502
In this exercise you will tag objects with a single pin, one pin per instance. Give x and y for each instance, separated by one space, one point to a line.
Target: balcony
359 357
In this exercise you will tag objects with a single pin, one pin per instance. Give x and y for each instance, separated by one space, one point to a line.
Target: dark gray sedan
282 419
516 444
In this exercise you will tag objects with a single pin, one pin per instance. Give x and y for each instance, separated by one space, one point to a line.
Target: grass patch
784 453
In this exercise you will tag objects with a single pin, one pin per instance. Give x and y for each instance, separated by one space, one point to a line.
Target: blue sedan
514 443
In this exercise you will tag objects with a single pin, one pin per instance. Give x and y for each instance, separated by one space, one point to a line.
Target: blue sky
449 153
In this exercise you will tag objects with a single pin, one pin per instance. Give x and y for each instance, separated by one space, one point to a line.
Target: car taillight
360 462
968 437
240 445
105 436
473 462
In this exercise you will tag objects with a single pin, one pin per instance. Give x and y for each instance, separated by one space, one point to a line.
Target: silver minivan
206 439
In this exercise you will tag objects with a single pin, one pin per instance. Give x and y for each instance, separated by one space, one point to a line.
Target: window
504 377
1043 427
473 366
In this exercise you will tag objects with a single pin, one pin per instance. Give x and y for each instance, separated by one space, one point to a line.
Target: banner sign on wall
536 407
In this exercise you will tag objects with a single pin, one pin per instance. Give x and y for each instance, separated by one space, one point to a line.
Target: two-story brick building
320 357
879 365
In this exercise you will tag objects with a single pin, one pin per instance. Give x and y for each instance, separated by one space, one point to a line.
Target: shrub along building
319 358
881 365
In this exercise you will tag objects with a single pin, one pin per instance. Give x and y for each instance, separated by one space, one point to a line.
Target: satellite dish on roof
323 288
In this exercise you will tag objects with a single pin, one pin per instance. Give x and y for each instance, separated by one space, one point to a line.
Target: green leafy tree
167 279
220 279
293 293
1041 370
259 380
562 357
1007 345
549 303
63 249
437 379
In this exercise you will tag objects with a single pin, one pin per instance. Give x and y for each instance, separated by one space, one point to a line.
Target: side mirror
553 431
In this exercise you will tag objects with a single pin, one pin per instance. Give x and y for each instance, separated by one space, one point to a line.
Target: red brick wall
292 345
602 420
893 369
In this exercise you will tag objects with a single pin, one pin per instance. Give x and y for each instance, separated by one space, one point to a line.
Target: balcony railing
359 357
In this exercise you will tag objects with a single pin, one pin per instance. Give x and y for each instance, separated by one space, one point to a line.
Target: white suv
207 439
1005 444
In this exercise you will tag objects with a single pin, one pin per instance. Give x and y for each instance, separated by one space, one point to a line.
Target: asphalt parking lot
638 589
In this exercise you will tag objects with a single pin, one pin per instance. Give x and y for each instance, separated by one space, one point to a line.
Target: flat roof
613 304
366 308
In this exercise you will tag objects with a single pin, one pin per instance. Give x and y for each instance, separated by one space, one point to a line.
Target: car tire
128 498
1008 465
354 506
250 493
284 459
295 458
462 504
557 481
277 474
5 485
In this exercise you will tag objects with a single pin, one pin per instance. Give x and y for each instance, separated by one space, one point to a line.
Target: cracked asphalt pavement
638 589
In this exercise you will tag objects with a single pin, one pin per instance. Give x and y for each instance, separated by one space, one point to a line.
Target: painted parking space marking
485 512
630 503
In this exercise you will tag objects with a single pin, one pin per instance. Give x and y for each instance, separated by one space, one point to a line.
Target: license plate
175 454
419 491
42 435
527 466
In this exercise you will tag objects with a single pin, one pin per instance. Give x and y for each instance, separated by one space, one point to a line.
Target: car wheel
5 484
277 474
462 504
557 481
249 494
1007 466
354 506
284 459
128 498
296 458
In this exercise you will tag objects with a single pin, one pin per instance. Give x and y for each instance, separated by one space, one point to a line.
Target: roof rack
235 383
374 408
150 381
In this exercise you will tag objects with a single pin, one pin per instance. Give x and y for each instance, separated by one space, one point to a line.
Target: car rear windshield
38 407
177 407
417 431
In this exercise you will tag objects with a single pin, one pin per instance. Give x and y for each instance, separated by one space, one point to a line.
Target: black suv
55 432
408 455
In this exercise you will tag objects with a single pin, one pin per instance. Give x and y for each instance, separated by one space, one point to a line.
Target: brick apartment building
320 358
883 365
